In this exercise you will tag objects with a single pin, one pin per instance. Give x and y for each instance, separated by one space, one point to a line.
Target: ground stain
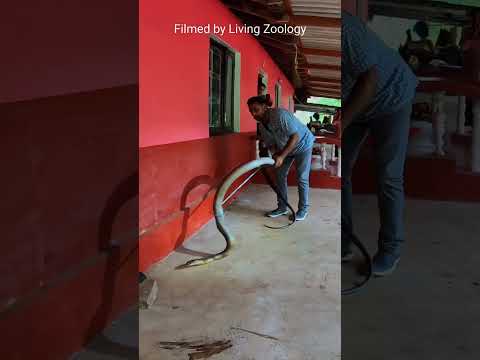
201 350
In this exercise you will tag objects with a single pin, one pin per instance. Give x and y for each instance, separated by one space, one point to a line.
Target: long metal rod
240 186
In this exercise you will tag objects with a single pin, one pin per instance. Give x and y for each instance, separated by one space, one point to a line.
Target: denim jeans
303 162
390 136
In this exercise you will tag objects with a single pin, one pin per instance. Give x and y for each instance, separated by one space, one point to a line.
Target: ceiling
426 10
312 61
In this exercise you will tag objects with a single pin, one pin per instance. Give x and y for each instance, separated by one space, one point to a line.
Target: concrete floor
430 307
276 297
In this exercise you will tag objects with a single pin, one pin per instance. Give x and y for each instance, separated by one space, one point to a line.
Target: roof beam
333 87
329 91
288 7
315 78
277 44
315 21
321 52
320 67
324 94
254 9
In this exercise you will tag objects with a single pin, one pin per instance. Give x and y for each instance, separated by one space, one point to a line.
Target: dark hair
421 28
261 99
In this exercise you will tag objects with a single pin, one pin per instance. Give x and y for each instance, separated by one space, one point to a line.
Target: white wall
391 30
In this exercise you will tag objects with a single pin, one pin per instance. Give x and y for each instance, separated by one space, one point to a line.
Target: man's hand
280 156
278 160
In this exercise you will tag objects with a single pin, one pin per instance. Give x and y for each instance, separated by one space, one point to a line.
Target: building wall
69 108
174 70
49 48
180 165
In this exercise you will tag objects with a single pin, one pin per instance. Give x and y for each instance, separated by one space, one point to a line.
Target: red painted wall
70 183
50 48
427 179
180 166
174 70
188 184
70 189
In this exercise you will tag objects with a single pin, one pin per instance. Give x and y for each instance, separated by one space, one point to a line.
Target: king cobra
259 164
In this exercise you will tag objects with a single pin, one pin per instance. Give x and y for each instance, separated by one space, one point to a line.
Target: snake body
220 215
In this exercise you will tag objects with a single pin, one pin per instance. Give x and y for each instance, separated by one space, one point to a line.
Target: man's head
422 30
258 106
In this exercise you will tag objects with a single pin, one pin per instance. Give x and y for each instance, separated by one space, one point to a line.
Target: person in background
378 89
289 140
327 126
262 149
313 123
420 51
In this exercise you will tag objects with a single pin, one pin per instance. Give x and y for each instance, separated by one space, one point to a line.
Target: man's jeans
390 136
303 162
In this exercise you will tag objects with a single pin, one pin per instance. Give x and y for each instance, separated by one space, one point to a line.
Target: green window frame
224 89
278 95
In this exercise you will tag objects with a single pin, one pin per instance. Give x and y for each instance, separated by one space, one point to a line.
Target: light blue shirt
361 50
281 126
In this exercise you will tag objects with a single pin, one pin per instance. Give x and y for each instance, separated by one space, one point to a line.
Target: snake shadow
188 210
116 258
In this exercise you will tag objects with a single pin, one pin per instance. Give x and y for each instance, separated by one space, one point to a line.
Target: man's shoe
276 213
384 263
301 215
347 255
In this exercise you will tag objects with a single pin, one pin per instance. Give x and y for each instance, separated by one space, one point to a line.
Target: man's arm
291 143
361 96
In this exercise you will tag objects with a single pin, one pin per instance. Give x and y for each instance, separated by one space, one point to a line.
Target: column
461 115
476 136
339 162
439 123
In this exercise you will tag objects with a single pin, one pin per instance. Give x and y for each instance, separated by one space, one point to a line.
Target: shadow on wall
222 171
189 210
118 253
223 167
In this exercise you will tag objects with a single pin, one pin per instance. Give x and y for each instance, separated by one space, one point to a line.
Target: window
224 92
278 95
262 84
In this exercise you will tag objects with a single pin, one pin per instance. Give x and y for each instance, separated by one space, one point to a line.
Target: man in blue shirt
288 139
378 89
